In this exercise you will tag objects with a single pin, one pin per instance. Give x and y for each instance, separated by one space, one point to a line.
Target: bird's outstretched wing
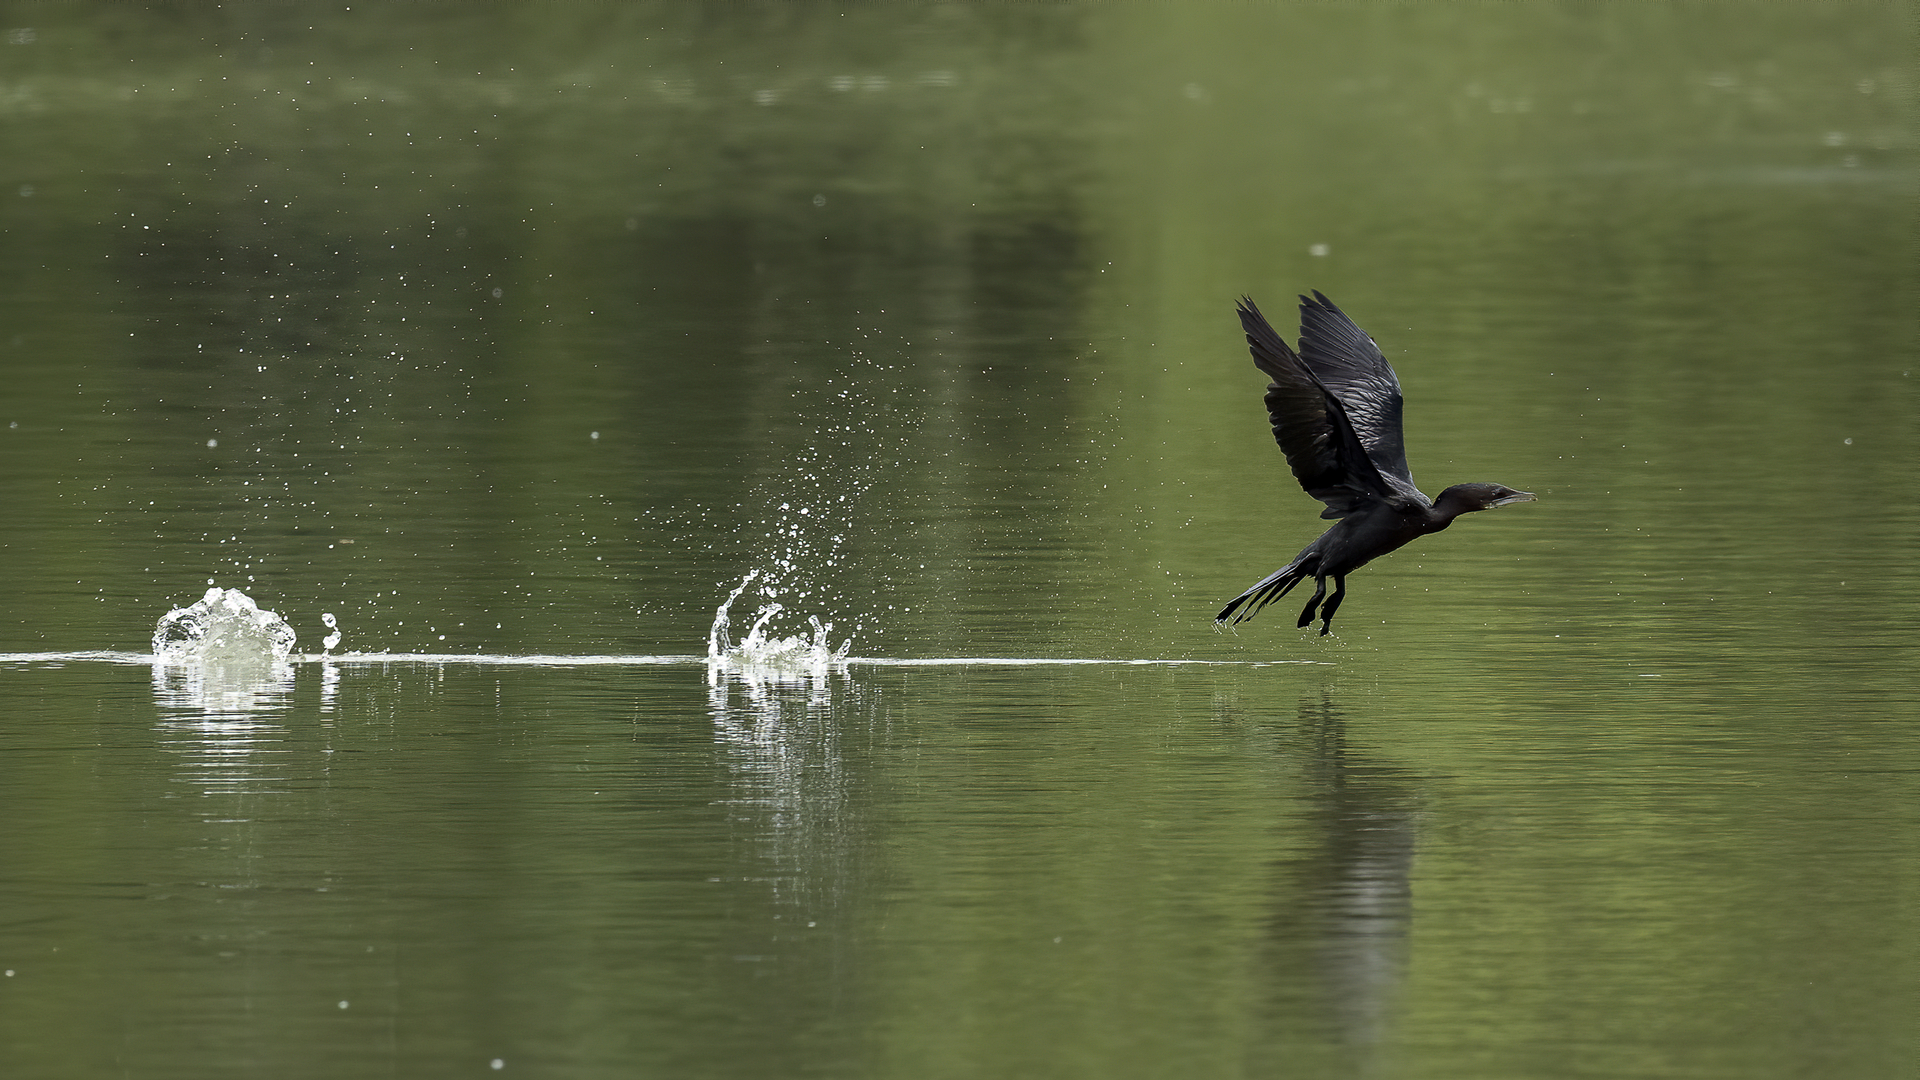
1345 359
1311 424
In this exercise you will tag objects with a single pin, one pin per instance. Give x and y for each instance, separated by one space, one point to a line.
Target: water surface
518 339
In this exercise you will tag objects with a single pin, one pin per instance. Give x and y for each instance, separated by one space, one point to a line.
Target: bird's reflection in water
1339 944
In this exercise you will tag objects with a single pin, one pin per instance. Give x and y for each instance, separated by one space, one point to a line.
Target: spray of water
819 556
222 657
223 627
761 653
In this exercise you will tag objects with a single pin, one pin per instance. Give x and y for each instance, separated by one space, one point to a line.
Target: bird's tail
1270 588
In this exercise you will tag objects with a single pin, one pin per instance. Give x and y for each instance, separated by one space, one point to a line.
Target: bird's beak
1518 496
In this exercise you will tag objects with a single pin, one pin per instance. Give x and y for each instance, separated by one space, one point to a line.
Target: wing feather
1312 425
1345 360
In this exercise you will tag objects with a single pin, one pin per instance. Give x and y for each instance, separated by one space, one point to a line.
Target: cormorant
1335 408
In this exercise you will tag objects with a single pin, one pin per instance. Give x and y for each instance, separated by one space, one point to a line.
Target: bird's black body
1335 408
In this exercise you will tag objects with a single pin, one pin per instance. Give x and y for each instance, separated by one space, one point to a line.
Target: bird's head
1466 498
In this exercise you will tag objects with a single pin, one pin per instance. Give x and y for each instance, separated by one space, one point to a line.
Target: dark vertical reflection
1338 948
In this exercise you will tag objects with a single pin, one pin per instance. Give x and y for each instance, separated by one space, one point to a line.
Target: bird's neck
1446 508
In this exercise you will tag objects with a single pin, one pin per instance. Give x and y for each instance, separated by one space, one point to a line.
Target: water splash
222 659
812 542
224 627
763 657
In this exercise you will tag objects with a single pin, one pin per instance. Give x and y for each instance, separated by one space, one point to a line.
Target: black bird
1335 408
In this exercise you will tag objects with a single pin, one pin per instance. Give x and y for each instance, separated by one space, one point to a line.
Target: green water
528 332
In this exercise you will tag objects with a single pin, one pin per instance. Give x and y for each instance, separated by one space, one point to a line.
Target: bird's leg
1320 590
1333 604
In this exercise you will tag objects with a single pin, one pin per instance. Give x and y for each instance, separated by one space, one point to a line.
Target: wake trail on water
356 659
226 632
